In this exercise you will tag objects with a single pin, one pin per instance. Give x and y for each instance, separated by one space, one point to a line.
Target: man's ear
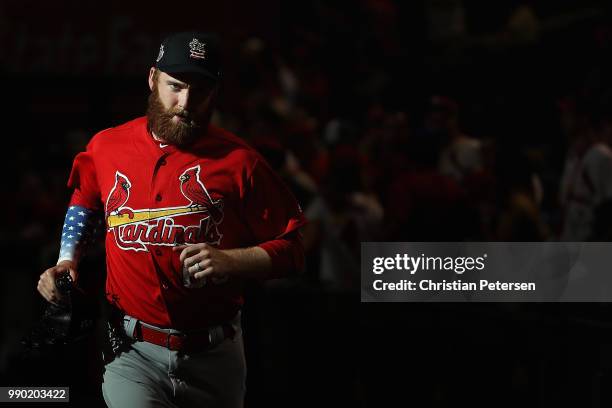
152 78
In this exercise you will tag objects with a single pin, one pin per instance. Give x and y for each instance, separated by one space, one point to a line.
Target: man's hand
46 283
202 261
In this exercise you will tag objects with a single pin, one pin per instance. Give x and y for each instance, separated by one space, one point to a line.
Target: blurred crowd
488 134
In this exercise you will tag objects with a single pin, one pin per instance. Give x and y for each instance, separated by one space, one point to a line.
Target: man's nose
183 99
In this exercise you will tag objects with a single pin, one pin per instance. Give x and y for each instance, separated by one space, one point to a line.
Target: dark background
524 78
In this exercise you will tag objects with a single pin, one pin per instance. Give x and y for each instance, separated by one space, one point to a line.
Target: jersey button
158 252
164 286
158 197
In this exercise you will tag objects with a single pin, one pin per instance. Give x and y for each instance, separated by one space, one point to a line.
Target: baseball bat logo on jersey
133 229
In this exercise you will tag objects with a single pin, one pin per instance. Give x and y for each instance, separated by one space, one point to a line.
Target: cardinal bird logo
119 195
193 189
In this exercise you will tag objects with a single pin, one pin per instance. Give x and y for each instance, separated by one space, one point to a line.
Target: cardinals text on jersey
133 229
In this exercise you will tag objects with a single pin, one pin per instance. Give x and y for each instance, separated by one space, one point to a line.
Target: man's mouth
183 119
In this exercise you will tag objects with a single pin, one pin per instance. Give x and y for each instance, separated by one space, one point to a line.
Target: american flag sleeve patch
77 233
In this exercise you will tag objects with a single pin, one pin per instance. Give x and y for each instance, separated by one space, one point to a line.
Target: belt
179 341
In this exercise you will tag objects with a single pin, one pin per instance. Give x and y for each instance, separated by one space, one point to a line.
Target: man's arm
274 217
270 259
77 234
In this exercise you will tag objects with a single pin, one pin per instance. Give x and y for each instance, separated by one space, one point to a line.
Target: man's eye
175 87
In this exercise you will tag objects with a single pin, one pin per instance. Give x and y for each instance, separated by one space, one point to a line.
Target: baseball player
190 211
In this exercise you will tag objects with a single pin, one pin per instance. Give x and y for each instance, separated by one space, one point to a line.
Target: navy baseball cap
190 52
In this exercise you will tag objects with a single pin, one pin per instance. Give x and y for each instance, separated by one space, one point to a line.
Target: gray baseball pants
148 375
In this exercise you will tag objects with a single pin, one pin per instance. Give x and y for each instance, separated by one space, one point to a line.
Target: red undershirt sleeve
287 254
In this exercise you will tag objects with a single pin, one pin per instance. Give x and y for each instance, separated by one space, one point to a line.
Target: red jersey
155 196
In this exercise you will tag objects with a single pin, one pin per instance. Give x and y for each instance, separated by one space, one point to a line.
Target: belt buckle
183 336
169 335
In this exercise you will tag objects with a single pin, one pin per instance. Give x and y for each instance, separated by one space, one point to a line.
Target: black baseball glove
66 323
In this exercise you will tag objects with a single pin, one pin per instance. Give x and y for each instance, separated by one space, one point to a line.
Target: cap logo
161 53
197 49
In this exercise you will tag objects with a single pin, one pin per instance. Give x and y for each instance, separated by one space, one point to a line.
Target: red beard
160 123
